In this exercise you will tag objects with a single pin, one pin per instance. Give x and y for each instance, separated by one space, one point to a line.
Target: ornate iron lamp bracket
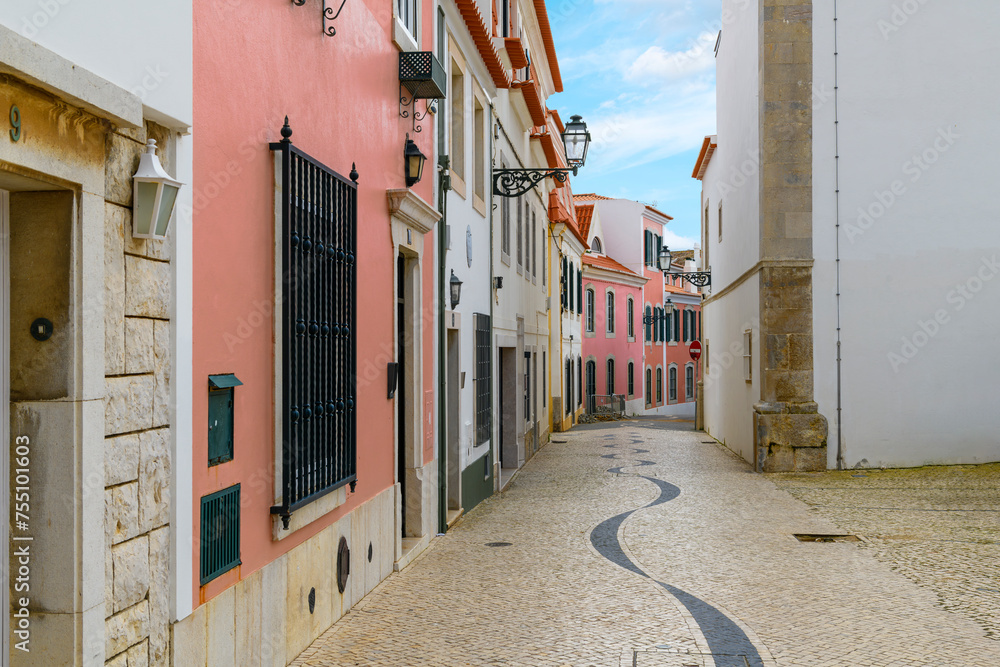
408 109
516 182
328 16
696 278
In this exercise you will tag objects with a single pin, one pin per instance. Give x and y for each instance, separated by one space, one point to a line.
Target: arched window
659 386
596 246
610 314
689 381
611 377
590 310
631 378
649 386
673 383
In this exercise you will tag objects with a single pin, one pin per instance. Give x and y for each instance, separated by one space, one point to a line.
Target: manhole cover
670 659
499 544
826 538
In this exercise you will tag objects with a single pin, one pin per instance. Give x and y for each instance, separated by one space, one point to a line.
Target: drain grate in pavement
803 537
670 659
499 544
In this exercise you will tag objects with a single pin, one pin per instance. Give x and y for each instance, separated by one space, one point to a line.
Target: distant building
849 224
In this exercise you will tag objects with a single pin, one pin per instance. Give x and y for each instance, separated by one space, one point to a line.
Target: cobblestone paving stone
725 541
938 526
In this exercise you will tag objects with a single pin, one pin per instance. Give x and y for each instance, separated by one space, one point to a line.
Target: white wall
728 397
735 177
144 47
915 390
621 222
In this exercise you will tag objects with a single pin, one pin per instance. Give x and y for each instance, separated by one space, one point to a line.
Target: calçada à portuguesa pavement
646 543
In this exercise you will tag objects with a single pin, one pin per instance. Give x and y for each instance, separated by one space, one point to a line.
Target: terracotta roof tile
584 215
658 212
550 45
590 197
605 262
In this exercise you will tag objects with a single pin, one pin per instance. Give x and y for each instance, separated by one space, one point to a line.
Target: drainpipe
443 295
836 128
492 454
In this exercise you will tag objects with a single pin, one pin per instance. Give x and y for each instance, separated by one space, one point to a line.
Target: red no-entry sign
695 350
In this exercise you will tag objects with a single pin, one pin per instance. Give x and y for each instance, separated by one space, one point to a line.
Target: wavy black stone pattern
728 643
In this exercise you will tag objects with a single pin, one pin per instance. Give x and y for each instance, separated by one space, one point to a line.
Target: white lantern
154 195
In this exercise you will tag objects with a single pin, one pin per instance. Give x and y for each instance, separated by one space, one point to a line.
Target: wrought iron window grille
328 16
318 343
424 78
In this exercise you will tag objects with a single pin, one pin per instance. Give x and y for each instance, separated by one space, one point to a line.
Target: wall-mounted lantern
456 290
516 182
697 278
413 162
154 194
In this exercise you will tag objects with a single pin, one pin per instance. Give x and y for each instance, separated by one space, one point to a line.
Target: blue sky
642 75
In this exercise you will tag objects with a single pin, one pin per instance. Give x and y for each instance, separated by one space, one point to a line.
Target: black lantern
456 290
668 307
516 182
576 140
414 162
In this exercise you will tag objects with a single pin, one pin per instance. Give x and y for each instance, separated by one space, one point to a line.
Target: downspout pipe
443 295
836 129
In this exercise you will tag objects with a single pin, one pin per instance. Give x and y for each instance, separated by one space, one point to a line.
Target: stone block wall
790 434
137 303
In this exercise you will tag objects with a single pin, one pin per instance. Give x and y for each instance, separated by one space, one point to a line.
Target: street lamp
698 278
516 182
456 290
414 162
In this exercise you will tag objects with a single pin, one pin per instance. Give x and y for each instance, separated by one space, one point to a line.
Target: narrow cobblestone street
645 543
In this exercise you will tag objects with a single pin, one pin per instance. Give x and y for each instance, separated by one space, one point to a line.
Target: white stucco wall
919 238
735 167
733 178
144 47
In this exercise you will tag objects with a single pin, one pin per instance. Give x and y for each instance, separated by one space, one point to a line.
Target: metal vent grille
220 532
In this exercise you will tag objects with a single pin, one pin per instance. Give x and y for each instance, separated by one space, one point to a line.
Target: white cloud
657 65
678 242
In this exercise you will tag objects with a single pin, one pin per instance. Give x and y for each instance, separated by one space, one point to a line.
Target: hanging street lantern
516 182
697 278
413 162
154 194
576 140
456 290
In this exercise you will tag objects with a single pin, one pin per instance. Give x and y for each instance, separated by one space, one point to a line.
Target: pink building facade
313 268
612 333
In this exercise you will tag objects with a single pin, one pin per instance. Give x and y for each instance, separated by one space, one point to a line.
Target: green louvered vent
220 533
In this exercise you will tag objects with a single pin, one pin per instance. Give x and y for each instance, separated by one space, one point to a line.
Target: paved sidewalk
633 543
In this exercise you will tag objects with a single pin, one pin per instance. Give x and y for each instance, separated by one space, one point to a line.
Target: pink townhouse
313 471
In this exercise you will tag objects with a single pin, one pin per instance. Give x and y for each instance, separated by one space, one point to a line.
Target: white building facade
842 168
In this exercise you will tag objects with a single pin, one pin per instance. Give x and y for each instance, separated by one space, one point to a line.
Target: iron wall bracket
328 16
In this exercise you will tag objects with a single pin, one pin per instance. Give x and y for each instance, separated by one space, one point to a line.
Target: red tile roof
584 215
484 42
707 151
550 45
658 212
605 262
590 197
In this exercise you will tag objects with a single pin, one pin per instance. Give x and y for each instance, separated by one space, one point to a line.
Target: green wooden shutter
649 326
